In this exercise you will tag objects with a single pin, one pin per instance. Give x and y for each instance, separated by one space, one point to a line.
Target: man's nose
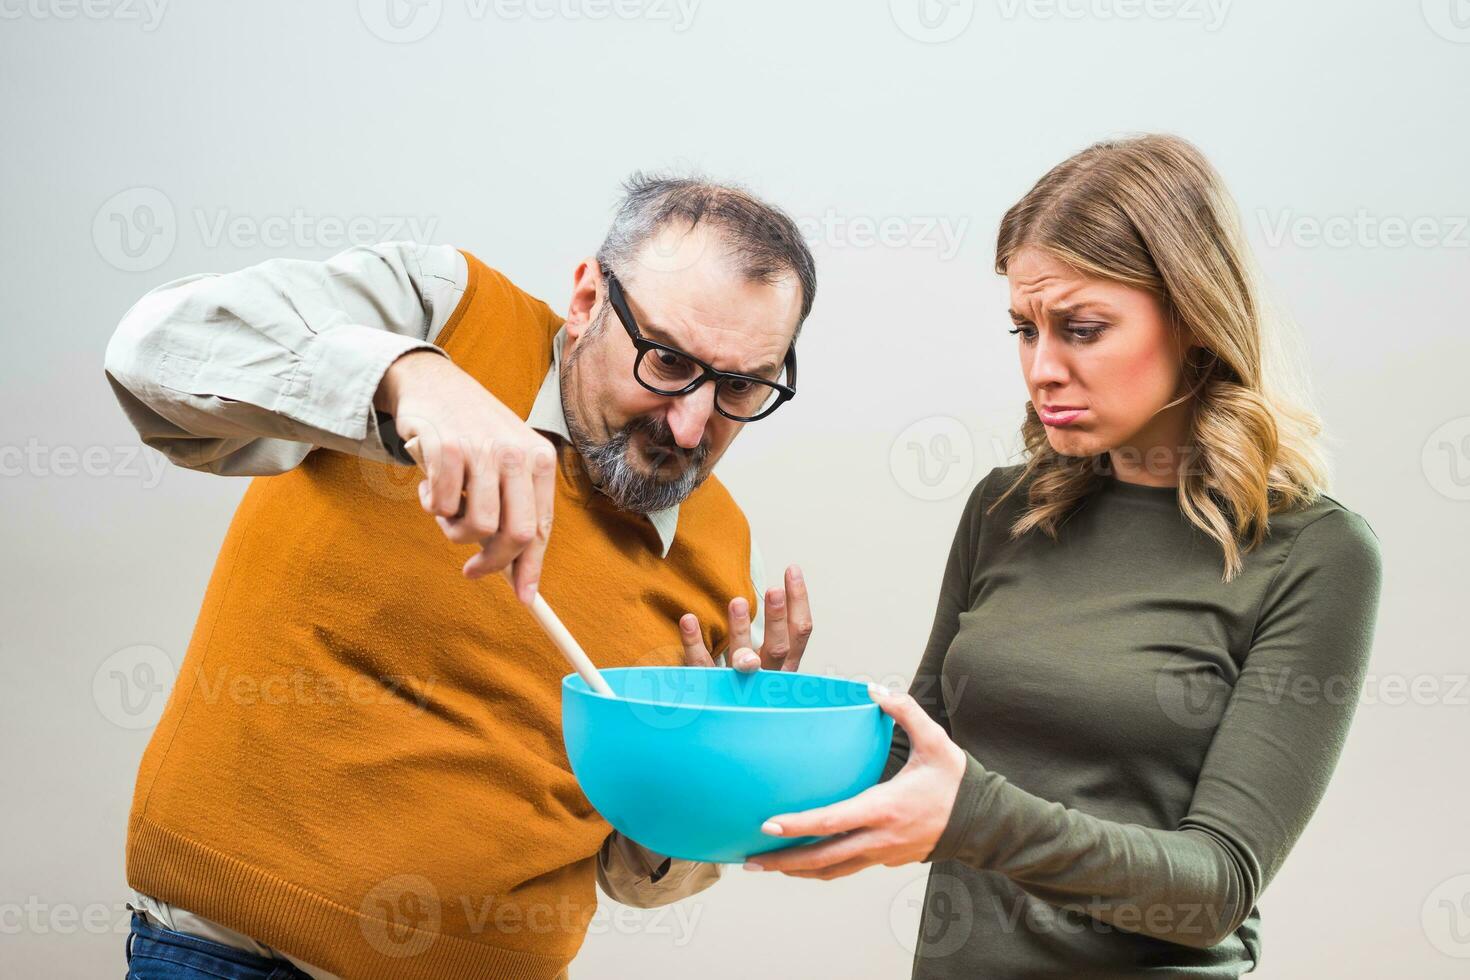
689 415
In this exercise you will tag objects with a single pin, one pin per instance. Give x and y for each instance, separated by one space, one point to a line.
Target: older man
360 771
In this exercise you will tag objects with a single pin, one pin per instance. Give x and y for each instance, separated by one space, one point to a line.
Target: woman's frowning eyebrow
1061 312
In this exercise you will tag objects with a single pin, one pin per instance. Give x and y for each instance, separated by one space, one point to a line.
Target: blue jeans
163 954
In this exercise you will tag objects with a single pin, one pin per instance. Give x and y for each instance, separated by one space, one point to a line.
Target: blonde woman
1150 636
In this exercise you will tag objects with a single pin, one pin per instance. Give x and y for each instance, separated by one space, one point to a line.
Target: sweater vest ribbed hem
313 928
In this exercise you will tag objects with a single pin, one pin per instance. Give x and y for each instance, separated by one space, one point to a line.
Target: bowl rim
585 691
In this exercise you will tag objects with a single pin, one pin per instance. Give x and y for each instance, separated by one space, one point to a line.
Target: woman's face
1099 359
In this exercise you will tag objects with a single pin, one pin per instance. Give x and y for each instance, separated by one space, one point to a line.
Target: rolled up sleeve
633 875
245 373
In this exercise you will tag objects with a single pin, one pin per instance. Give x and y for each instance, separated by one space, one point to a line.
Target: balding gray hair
762 239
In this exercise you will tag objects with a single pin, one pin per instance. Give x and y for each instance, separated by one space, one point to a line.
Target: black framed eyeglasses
666 370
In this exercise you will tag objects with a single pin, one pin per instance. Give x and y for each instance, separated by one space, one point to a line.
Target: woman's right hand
489 477
894 823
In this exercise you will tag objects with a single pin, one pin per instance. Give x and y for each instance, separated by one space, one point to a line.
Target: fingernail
772 828
752 866
876 691
687 624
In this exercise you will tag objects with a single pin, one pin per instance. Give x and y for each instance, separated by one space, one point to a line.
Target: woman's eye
1086 333
1028 333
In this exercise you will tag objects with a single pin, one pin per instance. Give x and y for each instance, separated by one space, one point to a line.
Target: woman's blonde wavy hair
1151 212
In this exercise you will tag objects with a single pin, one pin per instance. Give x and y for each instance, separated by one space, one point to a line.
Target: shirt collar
548 415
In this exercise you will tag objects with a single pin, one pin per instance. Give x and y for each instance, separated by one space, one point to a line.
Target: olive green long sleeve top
1144 742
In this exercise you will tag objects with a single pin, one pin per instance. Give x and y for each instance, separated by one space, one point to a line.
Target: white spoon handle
567 644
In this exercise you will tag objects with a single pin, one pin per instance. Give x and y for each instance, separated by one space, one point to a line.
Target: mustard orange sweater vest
361 762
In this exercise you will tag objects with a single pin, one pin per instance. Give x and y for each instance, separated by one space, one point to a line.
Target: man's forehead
680 248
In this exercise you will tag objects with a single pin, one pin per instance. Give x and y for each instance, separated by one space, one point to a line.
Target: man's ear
588 290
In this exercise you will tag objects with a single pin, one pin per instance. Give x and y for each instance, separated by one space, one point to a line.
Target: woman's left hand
893 823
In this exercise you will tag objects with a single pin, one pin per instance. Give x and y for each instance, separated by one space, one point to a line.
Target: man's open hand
788 627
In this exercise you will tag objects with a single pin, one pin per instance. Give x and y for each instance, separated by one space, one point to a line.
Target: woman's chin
1072 442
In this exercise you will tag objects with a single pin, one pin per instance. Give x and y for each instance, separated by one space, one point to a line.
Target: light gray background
506 129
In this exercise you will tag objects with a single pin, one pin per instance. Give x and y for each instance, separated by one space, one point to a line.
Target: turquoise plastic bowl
690 761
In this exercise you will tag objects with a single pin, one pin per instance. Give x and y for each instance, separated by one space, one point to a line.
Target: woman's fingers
695 653
839 870
835 818
844 848
925 734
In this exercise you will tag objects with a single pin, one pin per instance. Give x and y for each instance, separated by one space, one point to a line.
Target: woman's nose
1048 363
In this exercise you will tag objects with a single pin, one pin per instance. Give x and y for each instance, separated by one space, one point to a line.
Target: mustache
662 443
624 481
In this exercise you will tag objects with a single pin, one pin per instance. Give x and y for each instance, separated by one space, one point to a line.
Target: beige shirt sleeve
633 875
245 373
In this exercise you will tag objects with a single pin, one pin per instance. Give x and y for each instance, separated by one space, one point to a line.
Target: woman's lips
1059 416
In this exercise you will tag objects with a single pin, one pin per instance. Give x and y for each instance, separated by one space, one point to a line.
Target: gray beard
611 467
610 462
